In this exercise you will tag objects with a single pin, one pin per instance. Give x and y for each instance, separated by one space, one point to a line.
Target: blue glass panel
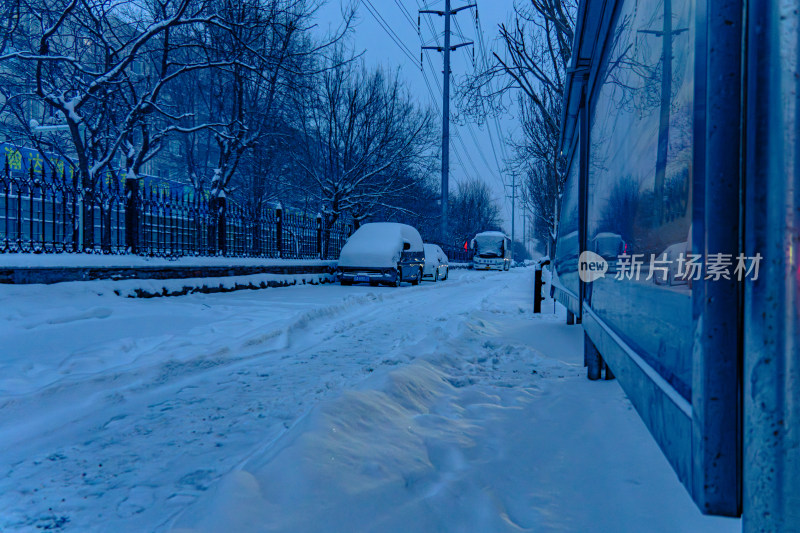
568 246
639 182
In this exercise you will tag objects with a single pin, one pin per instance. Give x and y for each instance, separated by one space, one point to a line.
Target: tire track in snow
139 434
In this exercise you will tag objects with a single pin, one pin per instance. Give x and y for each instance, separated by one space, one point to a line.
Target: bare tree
100 66
97 69
531 63
362 134
537 160
267 54
472 210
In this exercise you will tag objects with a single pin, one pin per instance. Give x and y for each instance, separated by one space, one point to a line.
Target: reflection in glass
568 246
639 182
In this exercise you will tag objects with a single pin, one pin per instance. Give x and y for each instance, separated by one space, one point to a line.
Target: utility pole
447 13
525 227
666 35
513 214
513 211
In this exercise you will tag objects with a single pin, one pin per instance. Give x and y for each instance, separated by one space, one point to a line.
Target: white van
436 263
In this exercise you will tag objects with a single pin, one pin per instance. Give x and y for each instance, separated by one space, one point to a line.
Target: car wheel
345 282
505 266
436 275
416 280
446 273
398 279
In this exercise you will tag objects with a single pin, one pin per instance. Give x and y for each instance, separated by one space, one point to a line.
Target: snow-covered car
436 263
382 253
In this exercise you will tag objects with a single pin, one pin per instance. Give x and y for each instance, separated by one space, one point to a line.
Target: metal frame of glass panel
696 420
734 437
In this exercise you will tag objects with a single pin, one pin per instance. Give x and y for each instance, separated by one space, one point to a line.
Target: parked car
436 263
382 253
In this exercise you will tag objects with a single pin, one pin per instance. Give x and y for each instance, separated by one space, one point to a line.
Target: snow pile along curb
249 272
180 287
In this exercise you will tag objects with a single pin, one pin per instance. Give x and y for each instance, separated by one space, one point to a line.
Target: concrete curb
48 275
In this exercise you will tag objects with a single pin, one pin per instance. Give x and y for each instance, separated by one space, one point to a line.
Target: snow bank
147 288
378 245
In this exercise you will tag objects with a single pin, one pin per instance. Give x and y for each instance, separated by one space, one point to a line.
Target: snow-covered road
443 407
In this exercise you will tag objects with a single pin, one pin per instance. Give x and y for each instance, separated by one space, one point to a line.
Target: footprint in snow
199 479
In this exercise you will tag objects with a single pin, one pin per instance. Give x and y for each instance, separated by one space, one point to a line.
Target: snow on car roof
382 230
378 245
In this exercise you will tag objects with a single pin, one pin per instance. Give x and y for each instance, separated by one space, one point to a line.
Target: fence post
88 213
213 244
19 208
537 290
279 229
6 182
105 214
319 235
77 217
31 207
222 229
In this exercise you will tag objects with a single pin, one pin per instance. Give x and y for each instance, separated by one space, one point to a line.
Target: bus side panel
640 168
566 281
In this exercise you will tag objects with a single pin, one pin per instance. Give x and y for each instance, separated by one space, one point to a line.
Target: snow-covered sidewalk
443 407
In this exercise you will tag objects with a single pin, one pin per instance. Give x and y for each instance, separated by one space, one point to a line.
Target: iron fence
54 213
456 254
51 212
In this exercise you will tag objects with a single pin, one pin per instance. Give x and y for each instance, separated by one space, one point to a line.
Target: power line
484 55
392 35
439 109
479 147
463 36
405 13
469 124
456 133
448 13
499 172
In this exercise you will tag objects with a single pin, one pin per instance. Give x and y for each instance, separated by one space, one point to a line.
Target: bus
491 251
